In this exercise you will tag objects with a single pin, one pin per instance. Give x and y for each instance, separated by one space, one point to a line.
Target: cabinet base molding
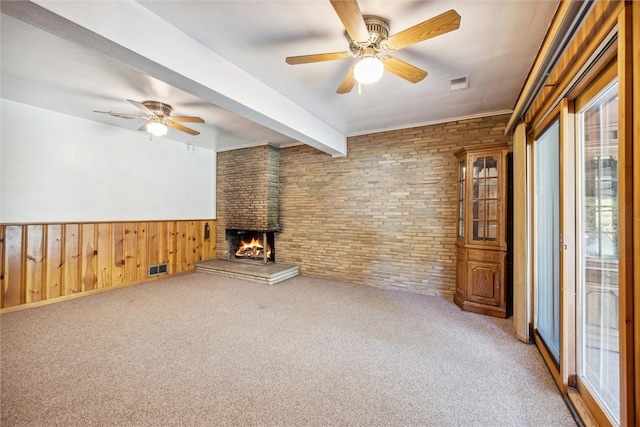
482 309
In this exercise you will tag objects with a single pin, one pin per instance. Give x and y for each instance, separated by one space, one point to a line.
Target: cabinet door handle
498 284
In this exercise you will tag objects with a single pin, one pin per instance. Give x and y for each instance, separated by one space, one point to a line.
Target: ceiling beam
129 33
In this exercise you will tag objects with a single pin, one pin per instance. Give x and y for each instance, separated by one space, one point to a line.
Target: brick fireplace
385 215
248 203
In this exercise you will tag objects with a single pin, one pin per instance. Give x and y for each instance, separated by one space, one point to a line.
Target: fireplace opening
251 245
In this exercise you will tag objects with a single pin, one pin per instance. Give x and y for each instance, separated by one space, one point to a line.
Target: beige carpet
202 350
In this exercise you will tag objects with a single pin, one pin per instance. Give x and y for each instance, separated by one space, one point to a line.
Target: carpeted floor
202 350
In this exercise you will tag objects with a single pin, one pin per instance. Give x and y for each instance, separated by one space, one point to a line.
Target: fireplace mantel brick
248 196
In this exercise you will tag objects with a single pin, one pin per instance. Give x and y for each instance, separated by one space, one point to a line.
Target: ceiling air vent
458 83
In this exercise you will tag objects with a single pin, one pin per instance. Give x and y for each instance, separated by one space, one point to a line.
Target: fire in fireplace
251 245
253 249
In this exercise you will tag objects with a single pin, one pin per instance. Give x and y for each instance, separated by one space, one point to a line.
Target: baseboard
84 294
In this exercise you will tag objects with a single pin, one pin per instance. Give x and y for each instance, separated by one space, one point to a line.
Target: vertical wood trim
635 143
54 261
153 254
182 247
103 258
141 251
89 279
72 254
130 252
117 261
163 242
625 213
521 289
173 247
34 263
209 245
196 236
568 250
190 249
13 266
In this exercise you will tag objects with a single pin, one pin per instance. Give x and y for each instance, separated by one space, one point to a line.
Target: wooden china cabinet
481 244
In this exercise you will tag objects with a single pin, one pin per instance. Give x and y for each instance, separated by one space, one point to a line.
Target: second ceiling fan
158 118
369 41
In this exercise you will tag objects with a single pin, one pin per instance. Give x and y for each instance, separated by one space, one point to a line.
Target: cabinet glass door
485 198
462 170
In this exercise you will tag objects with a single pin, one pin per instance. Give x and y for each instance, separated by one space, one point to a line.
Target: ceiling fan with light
158 118
369 41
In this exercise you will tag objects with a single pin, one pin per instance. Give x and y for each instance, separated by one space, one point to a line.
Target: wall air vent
158 269
458 83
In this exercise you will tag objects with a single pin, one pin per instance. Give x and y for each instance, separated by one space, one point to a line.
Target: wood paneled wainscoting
43 262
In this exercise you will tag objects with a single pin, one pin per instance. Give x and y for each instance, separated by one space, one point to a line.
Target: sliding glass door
547 238
598 350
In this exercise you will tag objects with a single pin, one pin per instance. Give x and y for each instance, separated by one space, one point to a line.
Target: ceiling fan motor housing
378 31
158 108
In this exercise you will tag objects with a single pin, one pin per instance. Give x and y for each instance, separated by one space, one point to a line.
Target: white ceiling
224 61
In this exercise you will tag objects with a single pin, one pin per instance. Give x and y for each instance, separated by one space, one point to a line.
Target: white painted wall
59 168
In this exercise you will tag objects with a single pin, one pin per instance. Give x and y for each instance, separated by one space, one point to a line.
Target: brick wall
247 196
384 215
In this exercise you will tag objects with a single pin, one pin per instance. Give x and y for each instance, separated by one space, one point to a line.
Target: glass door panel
598 318
485 200
492 188
461 180
492 231
547 238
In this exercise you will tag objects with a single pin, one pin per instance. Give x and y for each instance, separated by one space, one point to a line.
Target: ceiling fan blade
190 119
140 106
181 128
319 57
348 82
430 28
349 13
403 69
121 115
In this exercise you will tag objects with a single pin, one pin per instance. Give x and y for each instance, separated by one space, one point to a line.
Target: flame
252 246
252 249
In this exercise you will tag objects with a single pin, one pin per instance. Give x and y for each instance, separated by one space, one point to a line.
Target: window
598 350
547 238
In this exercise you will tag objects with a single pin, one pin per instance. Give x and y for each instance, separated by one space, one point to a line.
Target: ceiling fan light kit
157 128
369 35
158 118
368 70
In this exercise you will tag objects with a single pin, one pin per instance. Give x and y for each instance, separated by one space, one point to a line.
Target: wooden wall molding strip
635 154
596 27
53 261
521 285
539 65
627 67
536 100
